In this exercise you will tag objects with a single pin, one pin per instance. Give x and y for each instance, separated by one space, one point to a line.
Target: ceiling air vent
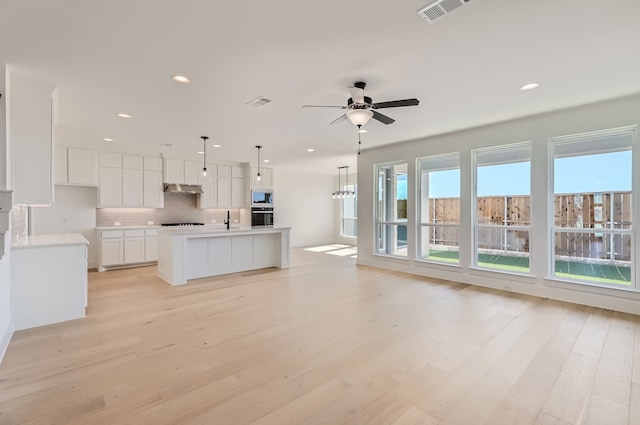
259 102
440 8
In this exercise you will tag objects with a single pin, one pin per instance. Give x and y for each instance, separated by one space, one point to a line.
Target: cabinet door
111 252
111 159
224 192
133 162
151 248
132 188
110 187
209 197
153 193
237 193
61 165
83 166
134 250
152 163
192 172
173 171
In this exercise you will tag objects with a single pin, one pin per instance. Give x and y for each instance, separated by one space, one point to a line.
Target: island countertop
219 231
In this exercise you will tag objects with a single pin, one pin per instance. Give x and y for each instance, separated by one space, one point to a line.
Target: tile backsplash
178 207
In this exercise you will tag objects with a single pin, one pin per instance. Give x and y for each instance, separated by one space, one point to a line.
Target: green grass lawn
603 273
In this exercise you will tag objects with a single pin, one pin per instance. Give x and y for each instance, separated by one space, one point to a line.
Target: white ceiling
118 55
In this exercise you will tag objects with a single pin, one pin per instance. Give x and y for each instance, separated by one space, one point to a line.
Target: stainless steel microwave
261 198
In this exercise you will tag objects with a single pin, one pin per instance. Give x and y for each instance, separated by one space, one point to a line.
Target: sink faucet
228 221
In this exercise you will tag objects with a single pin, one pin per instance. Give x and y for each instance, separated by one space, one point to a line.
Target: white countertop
155 226
50 240
217 231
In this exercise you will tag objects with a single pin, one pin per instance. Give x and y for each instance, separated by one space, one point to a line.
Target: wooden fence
609 210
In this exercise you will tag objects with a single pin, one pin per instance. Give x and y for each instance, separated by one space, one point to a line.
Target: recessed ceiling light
201 152
362 130
217 146
311 150
180 79
266 160
123 115
529 86
106 139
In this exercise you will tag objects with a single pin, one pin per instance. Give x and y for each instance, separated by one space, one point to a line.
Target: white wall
537 129
74 211
6 313
303 202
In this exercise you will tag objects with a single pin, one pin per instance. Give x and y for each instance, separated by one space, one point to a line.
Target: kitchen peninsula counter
186 253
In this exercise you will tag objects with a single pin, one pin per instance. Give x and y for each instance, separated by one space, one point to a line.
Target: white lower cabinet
125 247
134 250
111 251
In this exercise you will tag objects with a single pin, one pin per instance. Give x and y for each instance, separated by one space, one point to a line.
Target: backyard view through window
592 229
439 207
503 207
391 209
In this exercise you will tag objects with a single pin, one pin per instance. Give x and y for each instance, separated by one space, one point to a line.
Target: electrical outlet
149 222
213 221
116 223
235 221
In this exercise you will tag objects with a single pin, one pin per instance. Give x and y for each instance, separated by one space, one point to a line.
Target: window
391 209
503 207
439 204
592 212
349 213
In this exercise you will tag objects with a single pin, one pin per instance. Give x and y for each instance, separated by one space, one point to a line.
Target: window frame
552 229
475 226
377 223
419 223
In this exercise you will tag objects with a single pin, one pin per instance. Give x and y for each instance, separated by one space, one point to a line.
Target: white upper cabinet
31 127
132 188
76 166
209 196
153 191
130 181
110 190
173 171
192 172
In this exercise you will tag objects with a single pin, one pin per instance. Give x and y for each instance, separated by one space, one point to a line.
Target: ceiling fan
360 108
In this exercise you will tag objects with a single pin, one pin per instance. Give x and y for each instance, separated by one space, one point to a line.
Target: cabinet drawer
111 234
134 233
151 232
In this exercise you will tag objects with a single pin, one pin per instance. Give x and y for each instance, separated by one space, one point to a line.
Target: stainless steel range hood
182 188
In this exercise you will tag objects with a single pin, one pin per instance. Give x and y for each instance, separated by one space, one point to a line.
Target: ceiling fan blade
339 119
324 106
357 94
396 103
382 118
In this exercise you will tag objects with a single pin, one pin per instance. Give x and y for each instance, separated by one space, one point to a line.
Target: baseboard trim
5 339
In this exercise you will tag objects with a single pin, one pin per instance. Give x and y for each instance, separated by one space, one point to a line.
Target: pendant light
205 176
258 176
338 194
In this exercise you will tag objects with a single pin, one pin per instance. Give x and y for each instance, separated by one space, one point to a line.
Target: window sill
501 272
580 285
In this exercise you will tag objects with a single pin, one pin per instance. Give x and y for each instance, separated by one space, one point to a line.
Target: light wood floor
325 342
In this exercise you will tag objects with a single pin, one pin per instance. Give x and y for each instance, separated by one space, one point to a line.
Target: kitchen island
49 274
192 253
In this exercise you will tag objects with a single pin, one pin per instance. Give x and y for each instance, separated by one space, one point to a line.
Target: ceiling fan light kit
359 117
361 108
